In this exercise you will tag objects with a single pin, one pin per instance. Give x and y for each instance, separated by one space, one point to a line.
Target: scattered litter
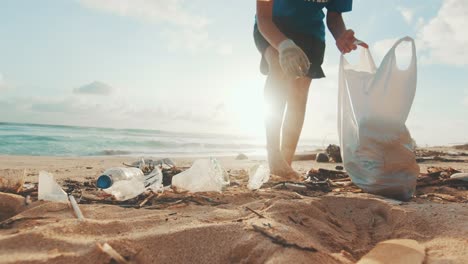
49 190
205 175
76 208
324 174
148 165
291 186
438 176
127 183
258 175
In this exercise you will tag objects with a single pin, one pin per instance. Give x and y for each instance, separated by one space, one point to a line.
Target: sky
192 66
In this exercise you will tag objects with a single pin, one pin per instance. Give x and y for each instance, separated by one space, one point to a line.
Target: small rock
321 157
334 153
242 157
340 168
89 168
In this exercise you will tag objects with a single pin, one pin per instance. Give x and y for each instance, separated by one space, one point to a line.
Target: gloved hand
347 42
292 58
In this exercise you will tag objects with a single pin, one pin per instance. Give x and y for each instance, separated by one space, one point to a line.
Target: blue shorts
313 47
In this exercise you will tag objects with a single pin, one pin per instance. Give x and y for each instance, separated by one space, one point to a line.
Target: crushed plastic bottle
127 183
258 175
205 175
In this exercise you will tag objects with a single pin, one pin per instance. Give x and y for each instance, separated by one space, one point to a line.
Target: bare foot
279 167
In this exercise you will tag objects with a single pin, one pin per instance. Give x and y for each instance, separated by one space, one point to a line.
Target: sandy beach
271 225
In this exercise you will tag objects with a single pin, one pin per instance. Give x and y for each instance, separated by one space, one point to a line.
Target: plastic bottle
112 175
127 183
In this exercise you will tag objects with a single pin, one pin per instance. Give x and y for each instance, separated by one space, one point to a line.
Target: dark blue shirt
306 16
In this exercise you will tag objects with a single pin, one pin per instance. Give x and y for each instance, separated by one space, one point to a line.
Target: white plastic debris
49 190
129 187
258 175
76 208
205 175
460 176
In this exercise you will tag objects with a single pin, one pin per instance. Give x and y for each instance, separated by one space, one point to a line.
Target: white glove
293 60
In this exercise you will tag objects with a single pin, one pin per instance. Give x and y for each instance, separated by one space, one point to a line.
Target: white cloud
443 38
407 13
184 28
94 88
113 111
167 11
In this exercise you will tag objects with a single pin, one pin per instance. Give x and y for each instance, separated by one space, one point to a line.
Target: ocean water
56 140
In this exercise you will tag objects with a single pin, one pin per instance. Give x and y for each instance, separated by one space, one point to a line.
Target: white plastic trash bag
205 175
373 106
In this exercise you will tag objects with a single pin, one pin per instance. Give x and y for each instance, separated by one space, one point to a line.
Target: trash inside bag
205 175
374 103
49 190
258 175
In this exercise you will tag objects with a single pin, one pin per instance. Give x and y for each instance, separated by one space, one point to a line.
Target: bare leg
294 118
276 94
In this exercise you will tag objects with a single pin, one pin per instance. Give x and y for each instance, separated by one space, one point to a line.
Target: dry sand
279 226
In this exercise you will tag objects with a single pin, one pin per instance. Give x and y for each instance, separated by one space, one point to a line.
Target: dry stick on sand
255 212
280 240
106 248
147 199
